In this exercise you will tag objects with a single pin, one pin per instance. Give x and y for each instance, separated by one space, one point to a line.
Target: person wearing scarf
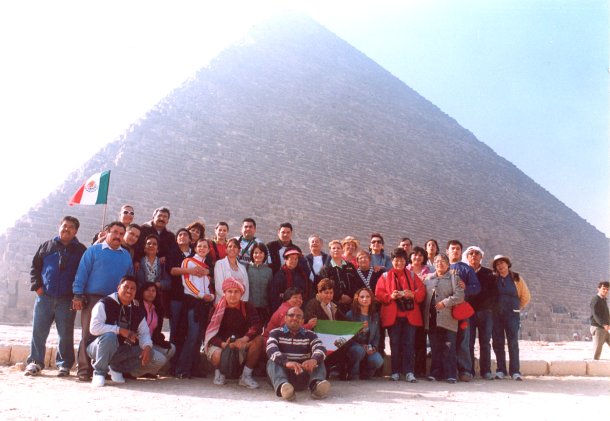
233 317
290 275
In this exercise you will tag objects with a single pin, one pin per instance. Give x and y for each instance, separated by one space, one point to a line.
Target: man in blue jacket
53 269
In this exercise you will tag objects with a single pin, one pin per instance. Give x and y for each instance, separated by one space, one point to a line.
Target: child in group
198 299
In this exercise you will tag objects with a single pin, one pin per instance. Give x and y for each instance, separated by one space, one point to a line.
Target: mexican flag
334 333
93 192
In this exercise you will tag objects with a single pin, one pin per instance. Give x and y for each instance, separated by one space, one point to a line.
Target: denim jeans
402 346
175 312
192 344
357 356
464 362
279 375
482 323
46 310
444 361
506 323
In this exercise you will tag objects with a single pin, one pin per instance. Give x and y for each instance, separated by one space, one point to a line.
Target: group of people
263 301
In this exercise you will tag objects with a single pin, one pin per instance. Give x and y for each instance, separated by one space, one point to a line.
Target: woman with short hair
400 292
444 290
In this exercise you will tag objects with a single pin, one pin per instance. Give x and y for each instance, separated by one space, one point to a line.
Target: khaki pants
600 337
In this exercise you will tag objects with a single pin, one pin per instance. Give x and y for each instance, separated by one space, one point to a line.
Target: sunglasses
126 212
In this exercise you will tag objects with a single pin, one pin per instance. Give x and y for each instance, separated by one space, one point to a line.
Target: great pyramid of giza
294 124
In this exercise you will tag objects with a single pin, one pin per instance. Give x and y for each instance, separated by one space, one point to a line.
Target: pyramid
294 124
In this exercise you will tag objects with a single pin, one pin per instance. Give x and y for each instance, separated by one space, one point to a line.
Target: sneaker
32 369
116 376
517 377
465 377
248 381
499 375
451 380
63 372
431 378
488 376
395 377
99 380
219 378
287 391
410 378
321 389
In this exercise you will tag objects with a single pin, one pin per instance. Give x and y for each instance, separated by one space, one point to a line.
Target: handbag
229 361
463 310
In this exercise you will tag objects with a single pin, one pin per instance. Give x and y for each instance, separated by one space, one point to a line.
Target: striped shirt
284 346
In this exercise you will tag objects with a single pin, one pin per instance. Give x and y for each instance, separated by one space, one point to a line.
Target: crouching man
121 340
296 359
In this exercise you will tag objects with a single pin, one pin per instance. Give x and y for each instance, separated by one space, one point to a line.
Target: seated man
296 357
120 341
235 318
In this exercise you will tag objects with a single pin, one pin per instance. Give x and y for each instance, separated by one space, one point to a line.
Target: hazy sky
527 77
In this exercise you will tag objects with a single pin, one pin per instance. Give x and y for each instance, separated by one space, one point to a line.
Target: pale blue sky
528 77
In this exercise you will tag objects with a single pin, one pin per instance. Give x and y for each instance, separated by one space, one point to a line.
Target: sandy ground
542 398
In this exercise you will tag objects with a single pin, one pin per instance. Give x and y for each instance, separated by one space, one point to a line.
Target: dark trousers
84 367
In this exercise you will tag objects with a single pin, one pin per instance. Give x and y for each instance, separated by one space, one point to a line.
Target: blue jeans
46 310
175 311
357 356
191 346
482 323
506 322
444 361
280 375
464 362
402 346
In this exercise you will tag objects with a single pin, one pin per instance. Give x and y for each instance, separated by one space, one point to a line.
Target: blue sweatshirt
100 270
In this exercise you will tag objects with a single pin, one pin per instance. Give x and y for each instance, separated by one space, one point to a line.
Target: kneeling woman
234 324
363 349
151 303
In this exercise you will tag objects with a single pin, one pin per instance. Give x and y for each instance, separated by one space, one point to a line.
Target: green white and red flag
94 191
334 333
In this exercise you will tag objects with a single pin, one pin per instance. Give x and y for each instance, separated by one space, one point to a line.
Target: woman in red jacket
400 292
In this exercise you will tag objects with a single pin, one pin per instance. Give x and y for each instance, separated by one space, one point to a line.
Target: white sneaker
219 378
98 380
32 369
116 376
499 375
248 381
287 391
410 378
321 389
517 377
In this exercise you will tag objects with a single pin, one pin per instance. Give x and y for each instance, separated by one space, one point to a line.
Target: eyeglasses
126 212
294 316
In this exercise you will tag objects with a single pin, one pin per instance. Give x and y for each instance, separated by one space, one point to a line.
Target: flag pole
104 217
